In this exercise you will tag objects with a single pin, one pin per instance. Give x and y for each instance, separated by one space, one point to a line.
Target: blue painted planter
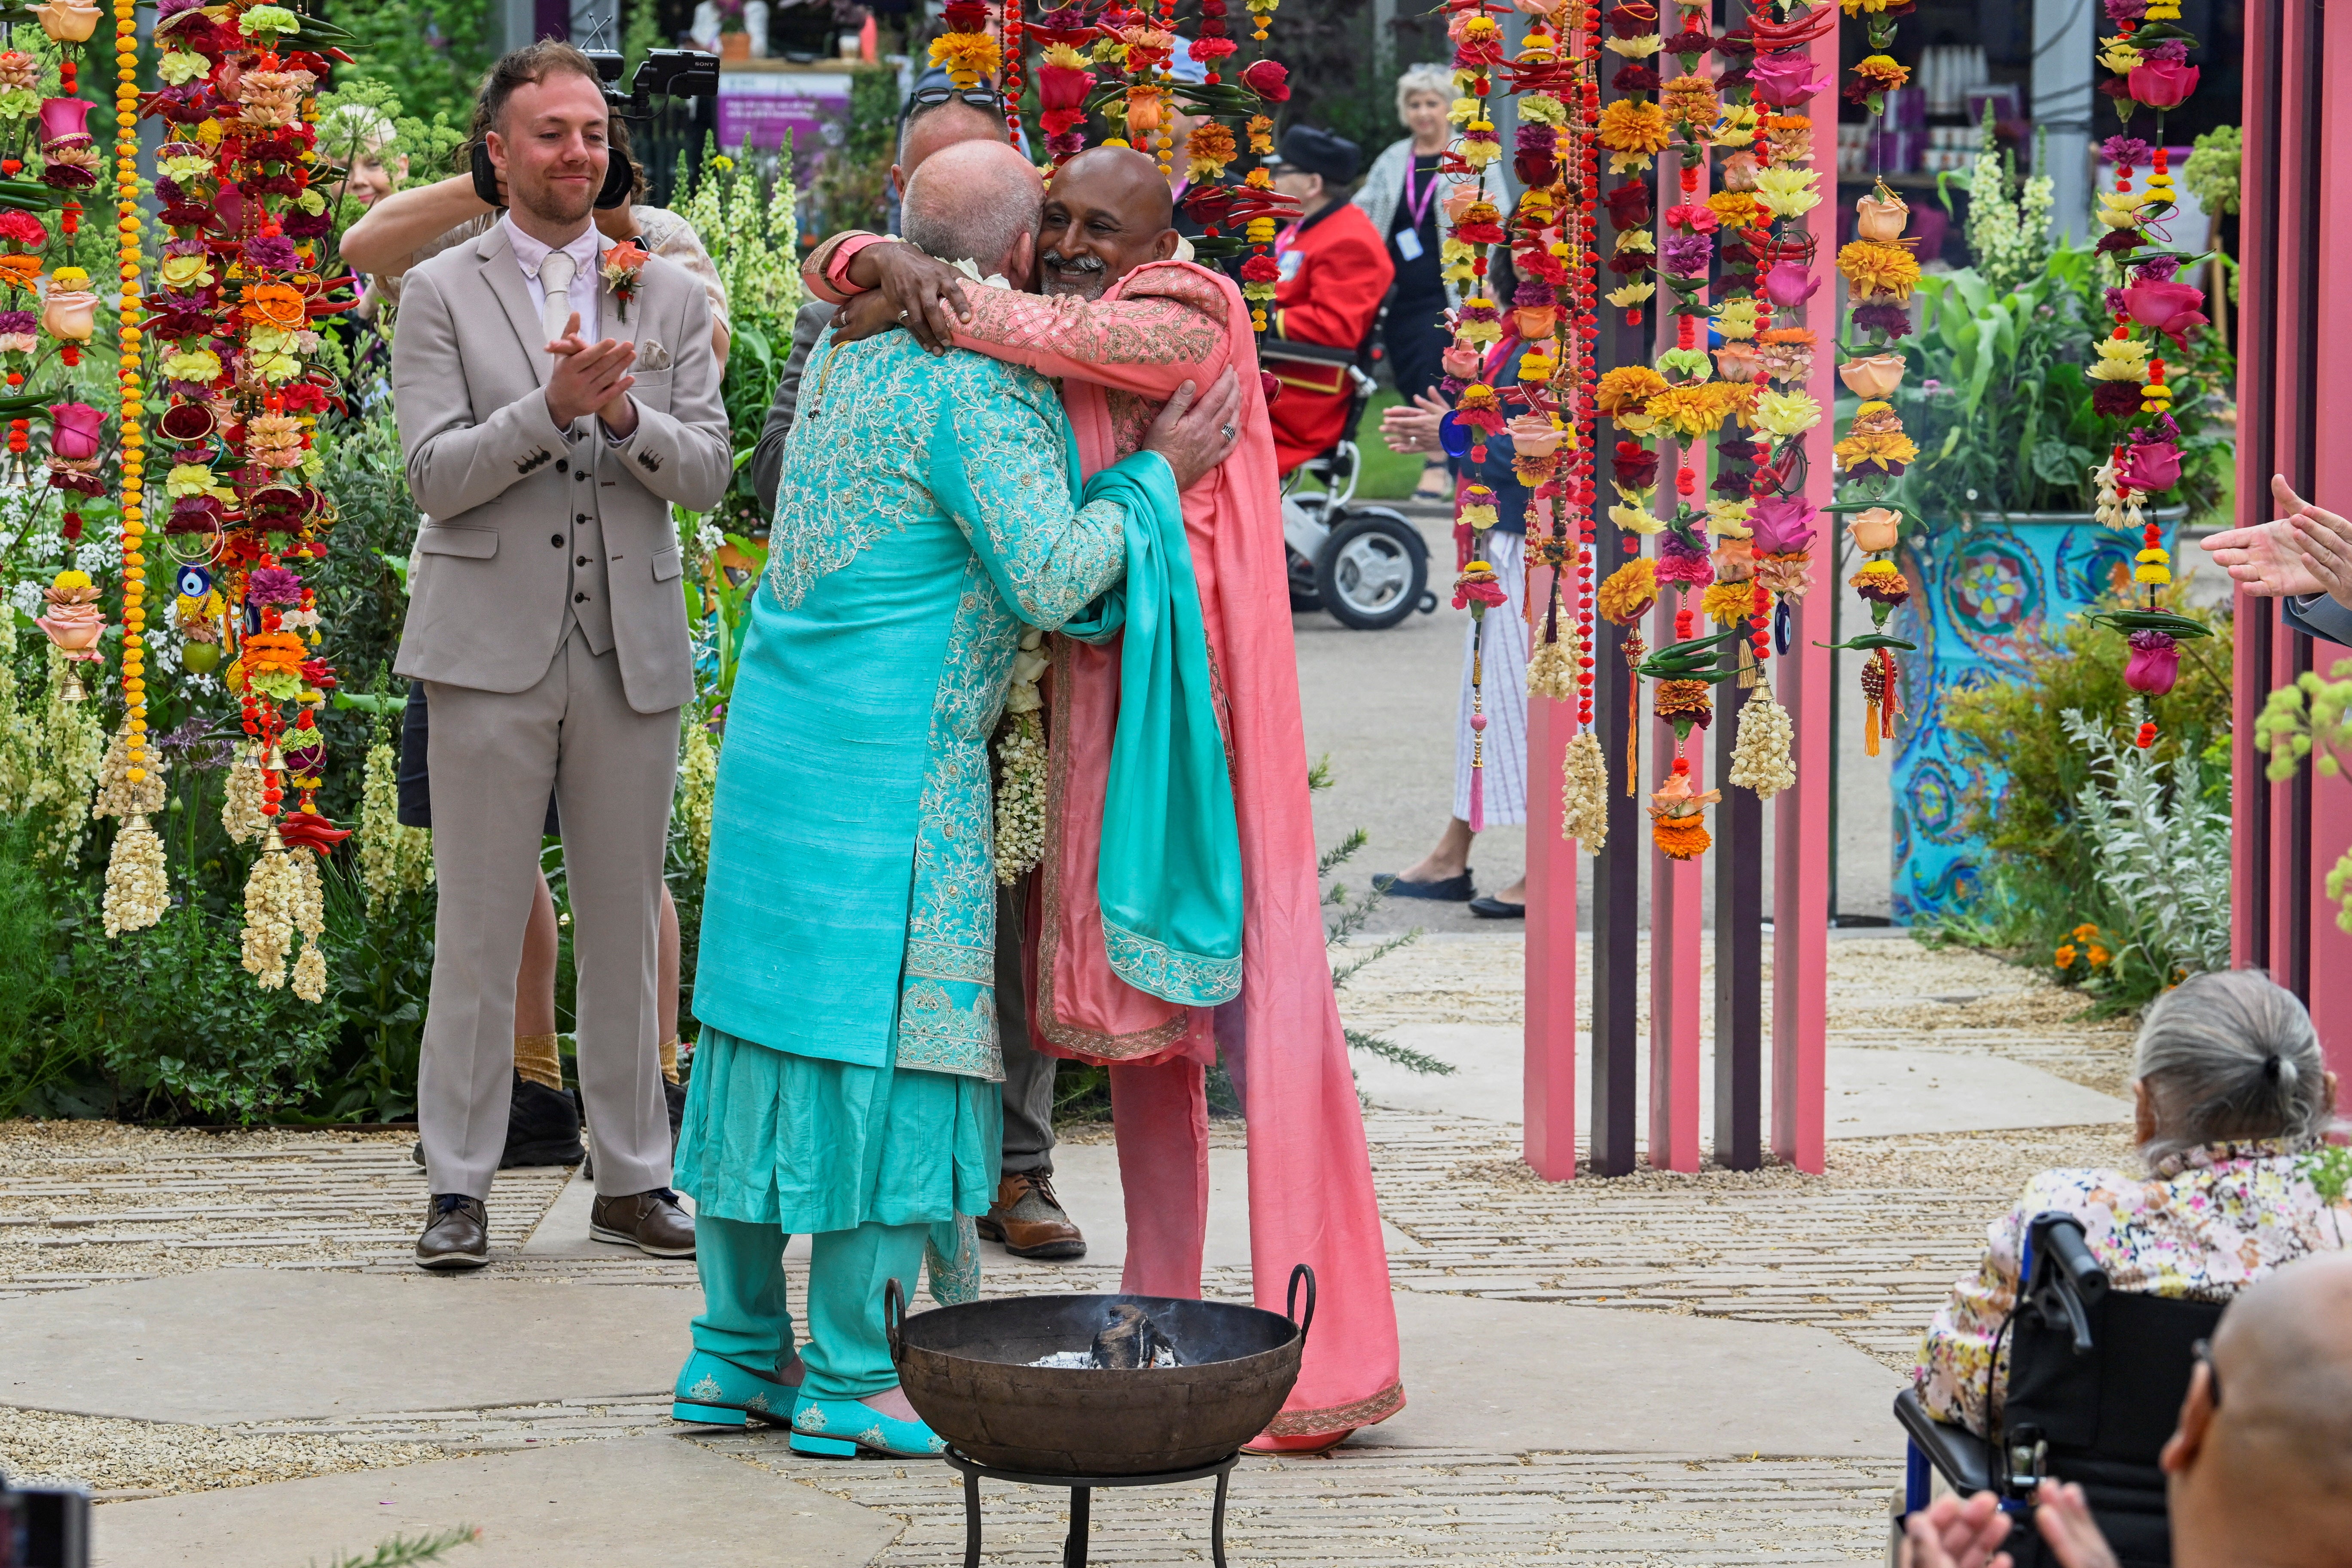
1983 597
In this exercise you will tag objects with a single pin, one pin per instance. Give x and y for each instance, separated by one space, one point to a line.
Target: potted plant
734 36
2007 549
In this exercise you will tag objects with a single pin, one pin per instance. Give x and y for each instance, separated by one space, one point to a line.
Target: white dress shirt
586 286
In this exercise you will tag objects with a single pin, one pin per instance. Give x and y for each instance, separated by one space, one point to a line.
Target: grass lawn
1387 476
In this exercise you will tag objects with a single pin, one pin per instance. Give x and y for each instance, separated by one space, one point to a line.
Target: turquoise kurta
928 508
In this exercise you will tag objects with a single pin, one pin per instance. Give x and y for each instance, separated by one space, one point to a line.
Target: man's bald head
2262 1465
975 201
1106 212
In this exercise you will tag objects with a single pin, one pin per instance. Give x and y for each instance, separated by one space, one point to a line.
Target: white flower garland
1020 766
1759 753
1584 793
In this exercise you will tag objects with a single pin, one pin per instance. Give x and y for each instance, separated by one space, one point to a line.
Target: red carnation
1261 269
1270 80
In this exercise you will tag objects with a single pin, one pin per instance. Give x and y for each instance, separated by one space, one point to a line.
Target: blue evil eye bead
1457 438
195 582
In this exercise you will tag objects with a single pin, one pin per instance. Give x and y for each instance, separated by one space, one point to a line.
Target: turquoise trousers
745 1318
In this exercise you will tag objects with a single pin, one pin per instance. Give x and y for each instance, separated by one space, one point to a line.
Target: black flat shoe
1496 909
1452 890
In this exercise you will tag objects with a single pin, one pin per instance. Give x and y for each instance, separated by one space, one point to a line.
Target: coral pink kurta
1119 359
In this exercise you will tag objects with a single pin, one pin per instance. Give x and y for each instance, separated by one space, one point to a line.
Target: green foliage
2213 168
2043 874
2289 732
2159 846
1996 397
849 190
432 54
401 1551
641 35
31 1055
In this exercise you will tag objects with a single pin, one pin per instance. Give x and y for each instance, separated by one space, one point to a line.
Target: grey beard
1090 279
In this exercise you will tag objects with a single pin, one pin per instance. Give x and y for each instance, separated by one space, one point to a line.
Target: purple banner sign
814 105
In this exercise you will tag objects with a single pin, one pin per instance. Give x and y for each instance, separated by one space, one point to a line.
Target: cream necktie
555 283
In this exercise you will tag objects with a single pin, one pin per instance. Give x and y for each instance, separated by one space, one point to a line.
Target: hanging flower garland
1880 272
242 289
966 50
2149 57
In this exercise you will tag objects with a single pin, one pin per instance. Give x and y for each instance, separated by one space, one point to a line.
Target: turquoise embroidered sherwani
844 1079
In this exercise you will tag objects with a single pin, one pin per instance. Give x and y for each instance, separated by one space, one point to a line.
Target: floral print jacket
2204 1224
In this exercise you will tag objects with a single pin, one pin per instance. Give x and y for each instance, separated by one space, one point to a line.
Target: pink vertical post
2256 624
1548 1141
1801 884
2330 967
1676 931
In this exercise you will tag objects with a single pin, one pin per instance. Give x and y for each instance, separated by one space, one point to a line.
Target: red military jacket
1335 272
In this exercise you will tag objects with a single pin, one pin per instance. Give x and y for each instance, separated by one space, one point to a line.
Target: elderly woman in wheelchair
2068 1352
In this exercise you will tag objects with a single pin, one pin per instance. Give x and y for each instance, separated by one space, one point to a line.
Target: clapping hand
2273 558
1949 1533
592 378
1413 427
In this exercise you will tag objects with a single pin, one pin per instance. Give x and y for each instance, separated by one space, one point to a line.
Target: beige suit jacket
507 494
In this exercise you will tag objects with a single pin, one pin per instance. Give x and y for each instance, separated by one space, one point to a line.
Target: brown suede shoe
1028 1219
651 1222
457 1233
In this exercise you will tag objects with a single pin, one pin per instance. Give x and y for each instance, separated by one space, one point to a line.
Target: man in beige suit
549 424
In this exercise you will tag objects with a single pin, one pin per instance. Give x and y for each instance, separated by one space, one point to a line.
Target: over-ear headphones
620 179
486 177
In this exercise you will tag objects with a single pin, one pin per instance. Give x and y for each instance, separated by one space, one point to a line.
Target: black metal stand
1074 1548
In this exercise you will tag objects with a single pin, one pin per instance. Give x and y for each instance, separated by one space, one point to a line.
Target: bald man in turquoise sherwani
845 1084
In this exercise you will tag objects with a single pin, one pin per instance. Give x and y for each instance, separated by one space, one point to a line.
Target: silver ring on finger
1226 431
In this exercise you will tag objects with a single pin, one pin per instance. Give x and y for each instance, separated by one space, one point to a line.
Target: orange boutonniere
622 264
278 304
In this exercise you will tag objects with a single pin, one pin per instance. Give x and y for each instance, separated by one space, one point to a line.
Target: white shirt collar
529 252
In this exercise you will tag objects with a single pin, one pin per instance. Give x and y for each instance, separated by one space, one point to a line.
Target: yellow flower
1698 409
1627 386
1788 192
2085 933
2064 957
2119 209
1856 8
1723 603
1637 520
2120 359
1728 519
1876 268
191 364
2119 56
1881 72
1639 48
1736 208
2098 957
1787 413
1630 295
1735 317
1632 125
1738 126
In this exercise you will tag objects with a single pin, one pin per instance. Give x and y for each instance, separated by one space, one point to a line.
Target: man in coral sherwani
1124 326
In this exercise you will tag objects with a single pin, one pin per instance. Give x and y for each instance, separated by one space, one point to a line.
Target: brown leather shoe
651 1222
1029 1220
457 1233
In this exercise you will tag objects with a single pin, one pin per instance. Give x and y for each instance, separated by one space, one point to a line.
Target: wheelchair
1368 566
2096 1378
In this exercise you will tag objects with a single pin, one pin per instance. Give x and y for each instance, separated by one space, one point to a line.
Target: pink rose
2171 308
63 122
1786 80
2154 662
2163 84
2150 467
75 431
1788 284
1781 525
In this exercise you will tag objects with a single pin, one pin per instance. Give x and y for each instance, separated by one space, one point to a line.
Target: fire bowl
966 1371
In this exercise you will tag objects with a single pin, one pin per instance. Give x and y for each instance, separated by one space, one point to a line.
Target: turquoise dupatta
1170 878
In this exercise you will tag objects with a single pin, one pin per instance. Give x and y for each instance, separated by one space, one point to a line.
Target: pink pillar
1800 886
1549 1139
1676 931
2329 991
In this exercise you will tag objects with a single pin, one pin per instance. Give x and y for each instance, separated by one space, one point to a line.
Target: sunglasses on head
931 97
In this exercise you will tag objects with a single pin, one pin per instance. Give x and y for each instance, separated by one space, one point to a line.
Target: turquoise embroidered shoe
840 1428
714 1392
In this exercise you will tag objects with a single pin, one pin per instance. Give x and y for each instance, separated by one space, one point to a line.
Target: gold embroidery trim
1338 1418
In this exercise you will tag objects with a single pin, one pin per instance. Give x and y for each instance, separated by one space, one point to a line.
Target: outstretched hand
1195 434
2325 539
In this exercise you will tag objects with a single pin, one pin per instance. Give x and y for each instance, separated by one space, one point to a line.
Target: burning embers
1128 1341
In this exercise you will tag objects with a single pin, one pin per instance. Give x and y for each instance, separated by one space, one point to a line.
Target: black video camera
44 1526
680 73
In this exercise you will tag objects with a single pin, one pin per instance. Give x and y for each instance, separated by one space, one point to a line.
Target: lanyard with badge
1408 238
1288 257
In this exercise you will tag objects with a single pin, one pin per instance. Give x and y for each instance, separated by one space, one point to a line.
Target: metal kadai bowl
966 1371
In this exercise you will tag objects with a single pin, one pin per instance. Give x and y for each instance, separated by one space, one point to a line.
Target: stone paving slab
258 1345
637 1503
1871 1093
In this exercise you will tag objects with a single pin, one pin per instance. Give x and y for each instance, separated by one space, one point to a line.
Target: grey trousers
494 756
1028 1072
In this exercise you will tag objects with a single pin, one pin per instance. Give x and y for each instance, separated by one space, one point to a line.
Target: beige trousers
493 757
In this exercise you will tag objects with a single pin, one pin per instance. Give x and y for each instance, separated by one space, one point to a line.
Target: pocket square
652 355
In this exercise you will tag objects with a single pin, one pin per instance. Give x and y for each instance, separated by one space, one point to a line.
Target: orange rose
278 304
